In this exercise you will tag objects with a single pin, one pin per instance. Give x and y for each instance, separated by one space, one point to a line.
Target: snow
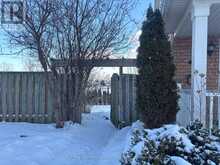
180 161
171 131
135 126
217 145
95 140
114 149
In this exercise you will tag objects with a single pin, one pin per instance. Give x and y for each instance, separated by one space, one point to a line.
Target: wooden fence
123 100
26 97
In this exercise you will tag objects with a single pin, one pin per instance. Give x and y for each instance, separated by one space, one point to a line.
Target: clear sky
16 62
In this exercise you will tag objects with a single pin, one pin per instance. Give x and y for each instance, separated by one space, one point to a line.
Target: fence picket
10 97
4 96
17 93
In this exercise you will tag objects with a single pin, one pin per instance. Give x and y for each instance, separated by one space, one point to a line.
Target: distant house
194 29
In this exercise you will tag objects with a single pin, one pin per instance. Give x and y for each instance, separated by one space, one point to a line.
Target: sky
16 63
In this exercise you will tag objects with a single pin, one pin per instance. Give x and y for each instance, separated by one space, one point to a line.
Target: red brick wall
182 58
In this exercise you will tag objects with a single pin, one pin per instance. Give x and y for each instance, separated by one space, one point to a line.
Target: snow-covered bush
171 145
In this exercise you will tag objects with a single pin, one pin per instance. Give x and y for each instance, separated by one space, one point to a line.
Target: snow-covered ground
94 142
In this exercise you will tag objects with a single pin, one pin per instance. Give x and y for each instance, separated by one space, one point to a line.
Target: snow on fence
25 97
123 99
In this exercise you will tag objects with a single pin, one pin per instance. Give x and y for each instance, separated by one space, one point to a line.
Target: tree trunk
55 91
81 79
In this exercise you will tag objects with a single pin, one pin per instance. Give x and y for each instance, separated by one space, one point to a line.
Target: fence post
120 110
120 70
115 99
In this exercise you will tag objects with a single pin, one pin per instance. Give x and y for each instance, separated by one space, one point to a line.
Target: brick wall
182 58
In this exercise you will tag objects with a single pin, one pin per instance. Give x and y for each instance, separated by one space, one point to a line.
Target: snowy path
96 140
112 152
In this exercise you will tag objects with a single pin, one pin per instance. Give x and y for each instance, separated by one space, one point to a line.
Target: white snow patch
112 153
101 109
180 161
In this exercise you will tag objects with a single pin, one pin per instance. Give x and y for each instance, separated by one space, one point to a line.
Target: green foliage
157 98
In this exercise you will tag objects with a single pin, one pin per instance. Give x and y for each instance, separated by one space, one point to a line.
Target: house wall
182 49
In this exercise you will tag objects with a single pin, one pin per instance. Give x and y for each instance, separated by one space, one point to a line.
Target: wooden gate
123 100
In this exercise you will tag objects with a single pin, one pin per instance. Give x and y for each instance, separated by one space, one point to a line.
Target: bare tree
35 34
92 29
73 30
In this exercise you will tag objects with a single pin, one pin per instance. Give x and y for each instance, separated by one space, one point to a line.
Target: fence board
7 97
17 91
50 103
46 100
23 96
14 96
4 96
133 99
10 97
36 98
40 100
30 95
126 95
115 99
